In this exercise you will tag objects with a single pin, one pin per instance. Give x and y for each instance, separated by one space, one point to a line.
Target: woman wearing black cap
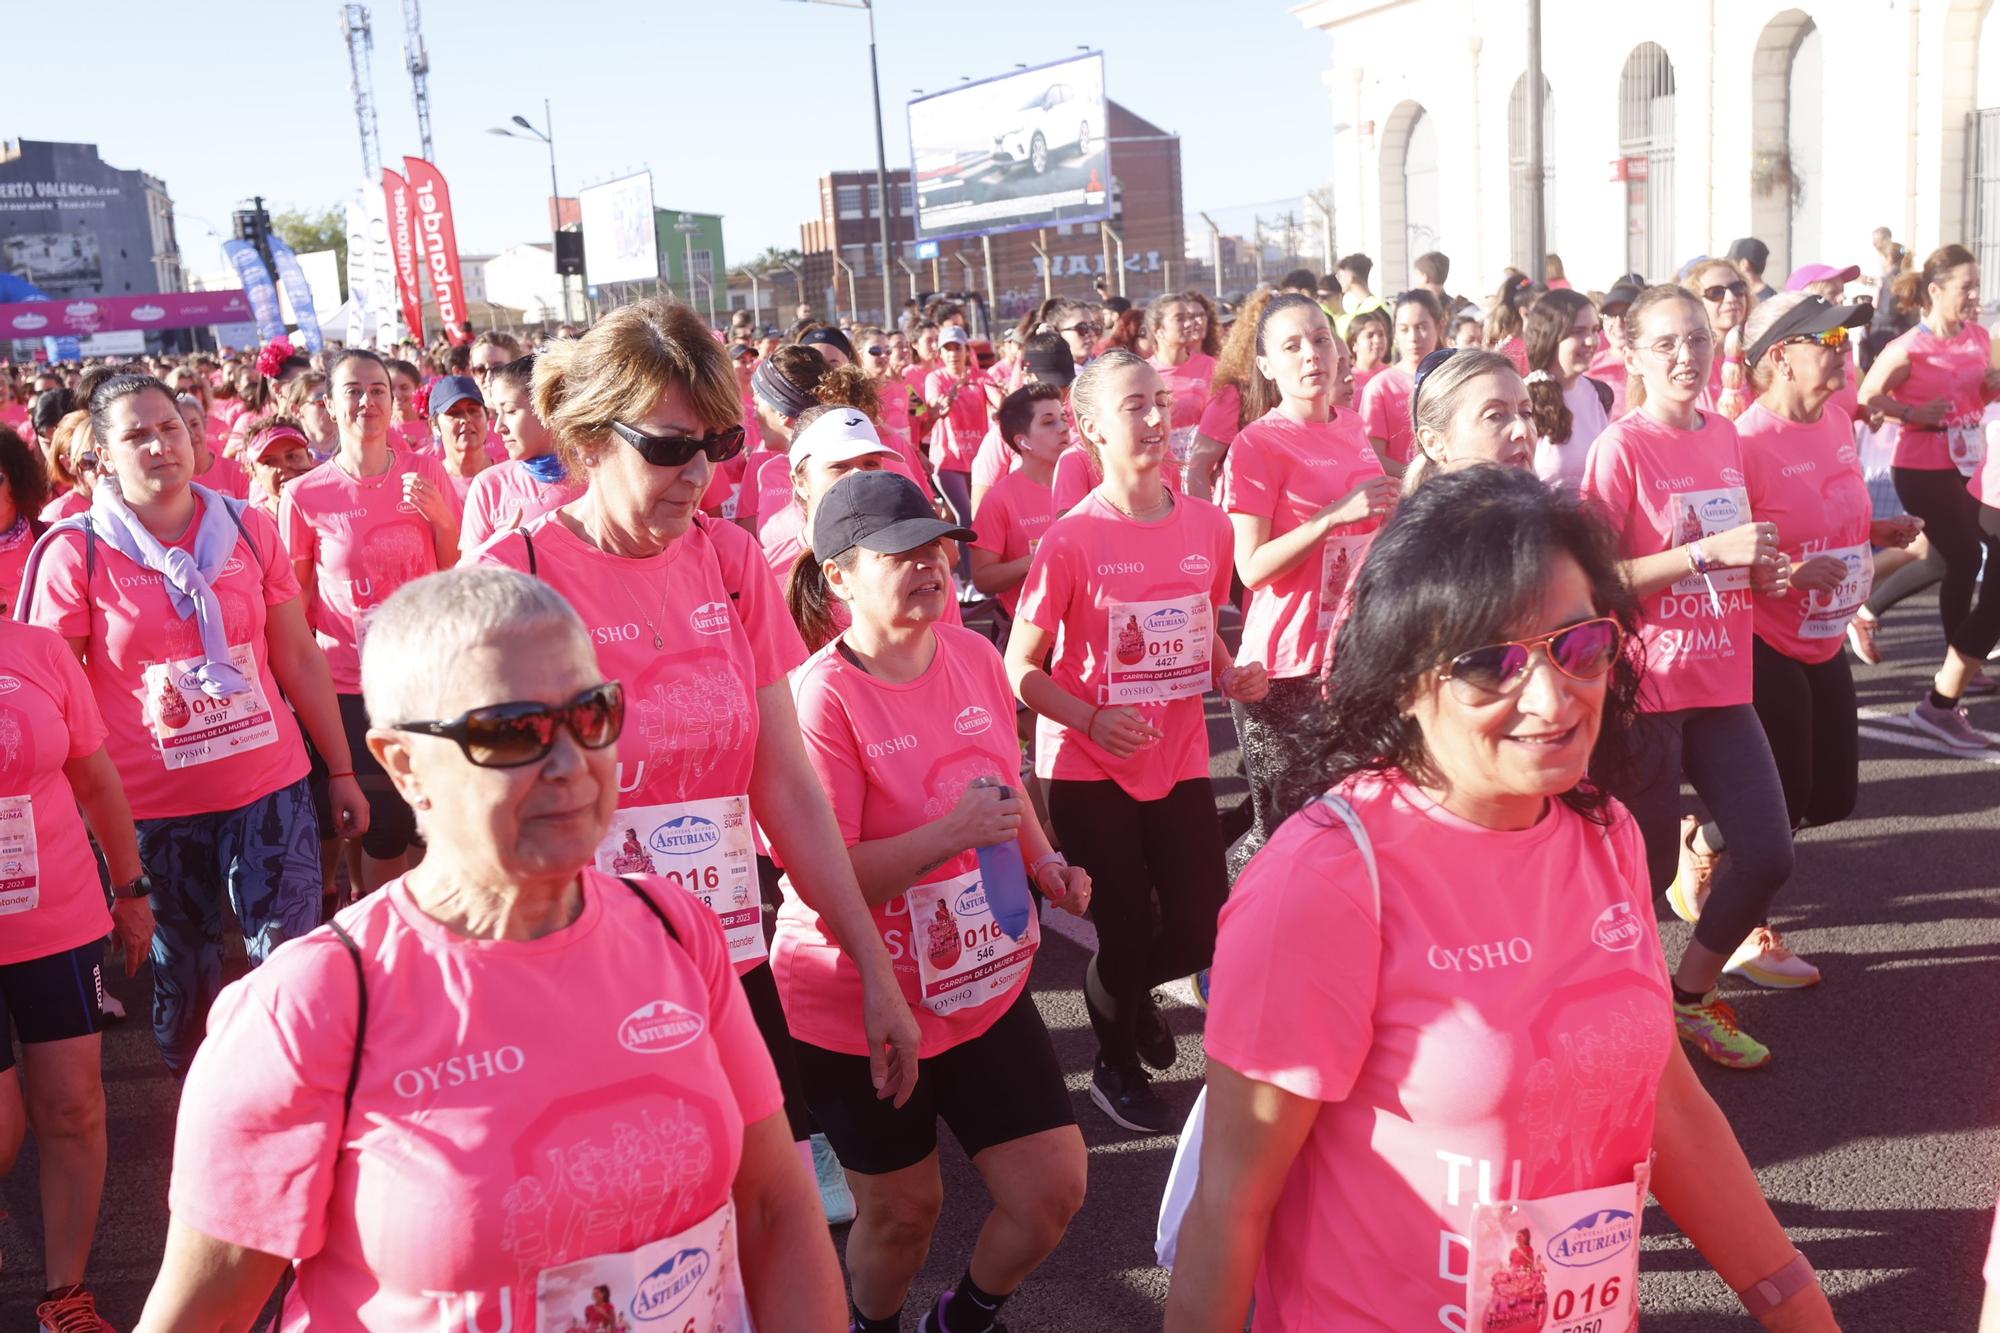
907 724
955 394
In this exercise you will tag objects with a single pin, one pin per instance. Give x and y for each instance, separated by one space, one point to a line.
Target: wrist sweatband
1763 1296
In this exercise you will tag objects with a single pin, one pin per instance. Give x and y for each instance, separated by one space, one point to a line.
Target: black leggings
1953 527
1157 883
1264 730
1724 755
760 988
1807 709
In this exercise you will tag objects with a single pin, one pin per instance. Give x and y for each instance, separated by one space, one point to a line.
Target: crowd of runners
637 759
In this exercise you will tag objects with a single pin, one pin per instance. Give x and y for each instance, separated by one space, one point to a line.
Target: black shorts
392 825
1002 1085
51 999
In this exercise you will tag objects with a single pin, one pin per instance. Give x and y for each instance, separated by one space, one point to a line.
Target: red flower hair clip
423 399
272 359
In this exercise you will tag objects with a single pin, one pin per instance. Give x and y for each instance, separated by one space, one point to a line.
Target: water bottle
1005 877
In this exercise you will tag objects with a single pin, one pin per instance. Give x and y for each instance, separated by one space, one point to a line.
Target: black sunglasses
510 735
1716 294
679 450
1583 651
876 351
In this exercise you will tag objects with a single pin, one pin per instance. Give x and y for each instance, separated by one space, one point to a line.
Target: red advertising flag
438 245
403 242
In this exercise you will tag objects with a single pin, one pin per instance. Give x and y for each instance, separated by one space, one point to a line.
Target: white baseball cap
837 437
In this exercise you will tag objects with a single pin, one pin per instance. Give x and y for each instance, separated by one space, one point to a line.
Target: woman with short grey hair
401 1066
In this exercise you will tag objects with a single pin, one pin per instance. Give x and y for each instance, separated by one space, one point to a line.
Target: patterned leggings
265 856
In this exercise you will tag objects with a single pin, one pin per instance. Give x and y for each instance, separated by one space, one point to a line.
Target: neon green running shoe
1710 1027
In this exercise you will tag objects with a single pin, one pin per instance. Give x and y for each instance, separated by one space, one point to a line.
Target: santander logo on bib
659 1027
1616 928
971 720
710 618
1197 565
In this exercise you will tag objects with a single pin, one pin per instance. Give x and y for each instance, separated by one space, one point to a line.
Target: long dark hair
1466 556
1547 325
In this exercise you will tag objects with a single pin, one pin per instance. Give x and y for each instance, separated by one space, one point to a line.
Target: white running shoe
1763 960
834 1195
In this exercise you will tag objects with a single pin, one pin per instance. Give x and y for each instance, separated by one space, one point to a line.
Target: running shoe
1981 685
1950 725
834 1195
75 1311
934 1319
1154 1038
1127 1096
1763 960
1861 638
1710 1027
1689 891
1200 983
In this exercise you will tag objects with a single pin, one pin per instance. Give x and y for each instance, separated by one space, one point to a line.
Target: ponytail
811 601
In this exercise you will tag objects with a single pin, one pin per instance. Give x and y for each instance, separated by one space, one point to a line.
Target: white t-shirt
1562 464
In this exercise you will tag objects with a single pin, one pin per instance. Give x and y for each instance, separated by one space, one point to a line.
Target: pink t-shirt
365 541
177 752
1807 480
894 758
955 438
15 547
1385 406
1493 1027
509 496
1286 471
1173 574
414 434
993 461
226 476
1222 414
1364 378
15 415
1011 523
1188 383
49 899
1950 368
767 487
461 486
1661 488
1075 477
487 1144
783 538
65 505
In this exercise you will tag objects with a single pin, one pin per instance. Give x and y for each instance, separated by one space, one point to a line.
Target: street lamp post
555 193
881 158
756 305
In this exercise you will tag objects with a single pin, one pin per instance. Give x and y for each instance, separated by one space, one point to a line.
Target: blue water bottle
1004 876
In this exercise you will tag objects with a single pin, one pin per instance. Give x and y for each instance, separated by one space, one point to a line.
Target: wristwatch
142 887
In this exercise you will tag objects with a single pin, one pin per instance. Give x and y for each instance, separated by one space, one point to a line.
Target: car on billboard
1051 120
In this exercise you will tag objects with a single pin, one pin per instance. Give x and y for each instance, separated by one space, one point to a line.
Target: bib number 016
1591 1300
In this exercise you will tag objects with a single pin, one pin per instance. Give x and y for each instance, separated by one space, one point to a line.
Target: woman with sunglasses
1393 1059
1571 409
1185 341
73 467
871 347
359 526
187 617
1936 381
1803 474
924 816
570 1049
533 480
1727 298
1385 403
1304 493
1669 478
684 613
1123 591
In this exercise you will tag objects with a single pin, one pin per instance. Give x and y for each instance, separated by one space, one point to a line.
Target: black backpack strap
652 907
1604 394
529 542
236 508
360 1020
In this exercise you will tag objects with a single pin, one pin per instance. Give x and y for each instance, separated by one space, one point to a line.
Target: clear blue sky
737 106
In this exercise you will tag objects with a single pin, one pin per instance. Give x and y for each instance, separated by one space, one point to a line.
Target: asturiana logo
1167 621
667 1287
1718 511
659 1027
710 618
685 835
1593 1237
1616 928
1731 477
971 720
1197 565
971 901
9 684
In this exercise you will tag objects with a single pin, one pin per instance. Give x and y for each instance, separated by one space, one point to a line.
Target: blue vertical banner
257 286
300 291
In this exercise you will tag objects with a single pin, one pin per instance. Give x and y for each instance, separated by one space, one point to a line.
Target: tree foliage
324 230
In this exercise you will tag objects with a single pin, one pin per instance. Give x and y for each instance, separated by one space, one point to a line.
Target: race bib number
1159 651
1827 615
705 847
20 869
1339 561
735 499
1699 514
1967 445
690 1280
1181 440
191 728
964 958
1567 1264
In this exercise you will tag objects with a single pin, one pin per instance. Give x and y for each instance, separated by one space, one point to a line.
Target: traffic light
253 224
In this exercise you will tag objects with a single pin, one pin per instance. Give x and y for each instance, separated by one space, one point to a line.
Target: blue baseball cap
451 390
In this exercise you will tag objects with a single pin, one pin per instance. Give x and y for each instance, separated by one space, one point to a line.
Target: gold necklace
666 589
1166 504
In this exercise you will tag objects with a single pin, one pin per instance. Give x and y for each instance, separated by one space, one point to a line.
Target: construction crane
361 81
419 65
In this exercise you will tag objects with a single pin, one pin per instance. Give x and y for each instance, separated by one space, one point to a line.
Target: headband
779 393
1423 372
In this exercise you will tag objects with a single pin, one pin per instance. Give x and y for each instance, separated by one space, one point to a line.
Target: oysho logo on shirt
1616 928
625 633
971 720
710 618
1197 565
1123 567
894 745
1673 483
659 1027
459 1070
1798 469
1481 957
667 1287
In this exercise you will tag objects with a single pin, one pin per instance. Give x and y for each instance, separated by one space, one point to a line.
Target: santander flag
438 245
403 242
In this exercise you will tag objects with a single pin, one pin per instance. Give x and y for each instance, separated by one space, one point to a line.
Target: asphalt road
1876 1130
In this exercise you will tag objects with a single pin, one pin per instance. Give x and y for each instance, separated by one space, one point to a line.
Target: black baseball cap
880 511
831 337
51 406
1619 299
1052 364
1813 314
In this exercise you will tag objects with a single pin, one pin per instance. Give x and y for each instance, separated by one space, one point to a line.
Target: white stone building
1670 130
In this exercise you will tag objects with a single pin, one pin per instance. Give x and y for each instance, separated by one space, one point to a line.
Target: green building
682 237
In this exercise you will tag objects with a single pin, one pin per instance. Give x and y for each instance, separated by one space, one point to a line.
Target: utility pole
419 64
1215 250
361 82
881 175
1538 242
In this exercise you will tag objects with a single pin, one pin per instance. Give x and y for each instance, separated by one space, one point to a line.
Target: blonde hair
1085 392
1758 324
619 370
59 447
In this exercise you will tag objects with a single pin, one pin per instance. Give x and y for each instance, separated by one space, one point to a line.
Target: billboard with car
1022 150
